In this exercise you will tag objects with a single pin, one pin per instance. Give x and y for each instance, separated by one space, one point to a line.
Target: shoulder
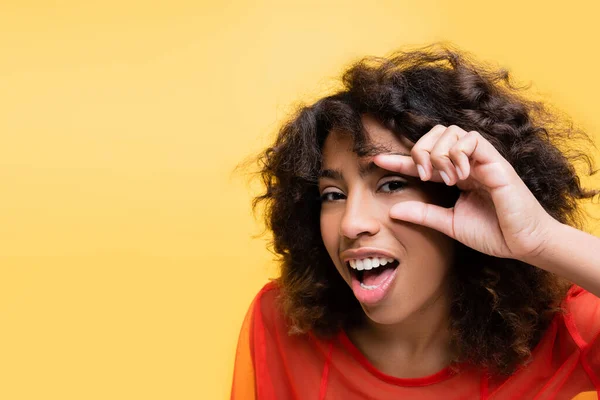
265 301
267 313
582 315
271 328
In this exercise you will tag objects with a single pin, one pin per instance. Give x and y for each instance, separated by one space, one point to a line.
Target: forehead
379 139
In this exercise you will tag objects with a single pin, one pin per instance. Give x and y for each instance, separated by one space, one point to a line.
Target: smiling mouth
371 272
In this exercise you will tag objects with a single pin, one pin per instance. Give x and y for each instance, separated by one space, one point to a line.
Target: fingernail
459 172
421 172
445 178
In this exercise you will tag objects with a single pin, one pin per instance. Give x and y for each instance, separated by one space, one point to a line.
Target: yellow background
126 257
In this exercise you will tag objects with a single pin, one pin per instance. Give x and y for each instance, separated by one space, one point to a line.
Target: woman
426 225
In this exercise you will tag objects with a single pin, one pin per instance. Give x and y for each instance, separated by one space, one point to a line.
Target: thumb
429 215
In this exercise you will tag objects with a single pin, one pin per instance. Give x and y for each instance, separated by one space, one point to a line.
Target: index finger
402 164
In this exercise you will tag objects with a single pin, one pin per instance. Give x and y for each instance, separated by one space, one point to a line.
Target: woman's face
395 269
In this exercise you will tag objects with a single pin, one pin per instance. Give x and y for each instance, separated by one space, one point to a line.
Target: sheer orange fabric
270 364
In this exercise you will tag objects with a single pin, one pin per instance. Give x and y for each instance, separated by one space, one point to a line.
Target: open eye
331 195
392 186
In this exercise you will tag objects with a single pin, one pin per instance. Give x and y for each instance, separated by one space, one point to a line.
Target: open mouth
372 272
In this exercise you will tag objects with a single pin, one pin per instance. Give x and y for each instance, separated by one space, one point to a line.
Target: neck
419 331
417 346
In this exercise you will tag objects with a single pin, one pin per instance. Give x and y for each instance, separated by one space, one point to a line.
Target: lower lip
373 296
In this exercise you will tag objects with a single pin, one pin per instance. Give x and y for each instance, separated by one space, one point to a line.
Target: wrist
549 243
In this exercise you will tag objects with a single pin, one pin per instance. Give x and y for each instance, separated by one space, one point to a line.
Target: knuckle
457 131
418 151
441 162
455 151
424 214
438 153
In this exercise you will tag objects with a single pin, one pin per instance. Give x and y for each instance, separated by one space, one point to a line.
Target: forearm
572 254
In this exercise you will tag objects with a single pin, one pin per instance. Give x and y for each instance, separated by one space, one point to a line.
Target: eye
332 196
392 186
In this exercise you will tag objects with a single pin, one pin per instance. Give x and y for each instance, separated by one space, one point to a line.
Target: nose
360 217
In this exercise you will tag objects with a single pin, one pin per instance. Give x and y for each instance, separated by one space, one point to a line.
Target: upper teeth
369 263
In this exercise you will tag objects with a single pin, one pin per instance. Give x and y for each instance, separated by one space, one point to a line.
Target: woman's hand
495 214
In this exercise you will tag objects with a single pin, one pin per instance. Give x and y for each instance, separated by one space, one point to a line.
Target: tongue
376 276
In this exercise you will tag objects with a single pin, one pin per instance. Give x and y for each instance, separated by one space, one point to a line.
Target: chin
384 314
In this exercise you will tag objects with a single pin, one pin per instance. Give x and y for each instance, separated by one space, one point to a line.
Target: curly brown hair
500 307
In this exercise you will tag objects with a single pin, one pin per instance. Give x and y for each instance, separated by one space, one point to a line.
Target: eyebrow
336 174
363 170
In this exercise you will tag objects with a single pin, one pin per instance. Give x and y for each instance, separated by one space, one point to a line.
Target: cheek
330 232
431 250
328 229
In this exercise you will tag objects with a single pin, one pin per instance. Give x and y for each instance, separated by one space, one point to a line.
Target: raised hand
495 214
